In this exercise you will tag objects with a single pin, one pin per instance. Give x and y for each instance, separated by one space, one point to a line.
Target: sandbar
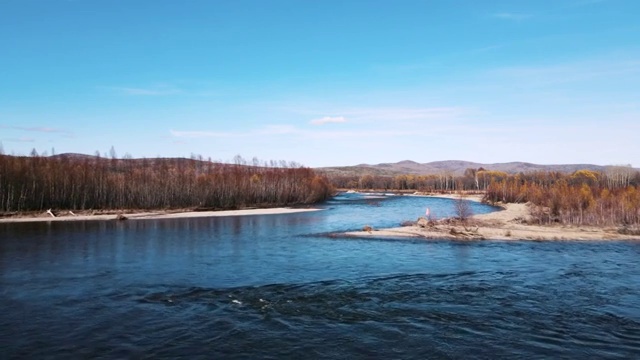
510 223
155 215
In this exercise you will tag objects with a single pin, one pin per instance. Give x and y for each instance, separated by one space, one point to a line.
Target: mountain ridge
403 167
454 167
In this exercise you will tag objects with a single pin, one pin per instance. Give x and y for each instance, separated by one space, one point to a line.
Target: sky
323 83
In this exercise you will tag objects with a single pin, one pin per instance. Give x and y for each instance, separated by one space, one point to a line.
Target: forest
584 197
581 198
82 182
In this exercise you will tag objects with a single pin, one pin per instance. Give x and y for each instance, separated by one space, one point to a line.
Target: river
282 286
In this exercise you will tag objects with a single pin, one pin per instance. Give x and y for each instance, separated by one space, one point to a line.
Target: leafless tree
463 208
66 183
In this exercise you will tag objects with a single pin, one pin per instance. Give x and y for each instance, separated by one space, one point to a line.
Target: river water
281 286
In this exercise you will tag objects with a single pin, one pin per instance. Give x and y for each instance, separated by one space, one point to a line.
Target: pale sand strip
159 215
506 224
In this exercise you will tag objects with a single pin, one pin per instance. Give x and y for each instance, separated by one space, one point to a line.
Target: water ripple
399 314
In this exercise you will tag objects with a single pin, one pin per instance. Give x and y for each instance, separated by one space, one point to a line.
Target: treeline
473 179
80 183
611 197
444 182
582 198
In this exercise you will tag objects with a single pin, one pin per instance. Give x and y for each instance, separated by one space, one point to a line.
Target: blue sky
324 82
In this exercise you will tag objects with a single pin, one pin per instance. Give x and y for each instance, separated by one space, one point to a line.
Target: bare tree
463 209
37 183
619 175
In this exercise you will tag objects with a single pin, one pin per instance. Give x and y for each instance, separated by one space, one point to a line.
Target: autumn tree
37 183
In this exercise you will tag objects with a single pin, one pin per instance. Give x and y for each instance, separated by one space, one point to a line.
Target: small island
513 222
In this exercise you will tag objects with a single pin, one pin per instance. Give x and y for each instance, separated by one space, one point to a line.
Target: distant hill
454 167
73 156
175 161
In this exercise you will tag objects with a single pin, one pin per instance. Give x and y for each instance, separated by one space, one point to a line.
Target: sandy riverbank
154 215
507 224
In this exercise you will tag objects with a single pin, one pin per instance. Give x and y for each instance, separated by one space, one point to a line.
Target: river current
283 286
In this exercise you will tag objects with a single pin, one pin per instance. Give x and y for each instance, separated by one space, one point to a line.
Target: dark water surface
277 287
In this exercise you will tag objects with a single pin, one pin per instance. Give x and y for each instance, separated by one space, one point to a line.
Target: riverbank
155 215
510 223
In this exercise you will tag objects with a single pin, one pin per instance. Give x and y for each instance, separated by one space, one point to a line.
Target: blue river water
282 286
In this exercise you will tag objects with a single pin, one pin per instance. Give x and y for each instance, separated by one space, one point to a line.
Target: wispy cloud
198 134
39 129
365 114
367 122
328 120
42 129
358 134
266 130
587 2
288 130
160 90
511 16
20 139
401 67
402 113
607 68
487 48
277 130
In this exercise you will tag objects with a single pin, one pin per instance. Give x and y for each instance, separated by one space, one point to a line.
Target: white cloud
362 115
328 120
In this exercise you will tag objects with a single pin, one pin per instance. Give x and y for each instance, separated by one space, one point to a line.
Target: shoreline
157 215
510 223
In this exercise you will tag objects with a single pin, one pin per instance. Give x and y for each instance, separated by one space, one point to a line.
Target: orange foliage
38 183
579 199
